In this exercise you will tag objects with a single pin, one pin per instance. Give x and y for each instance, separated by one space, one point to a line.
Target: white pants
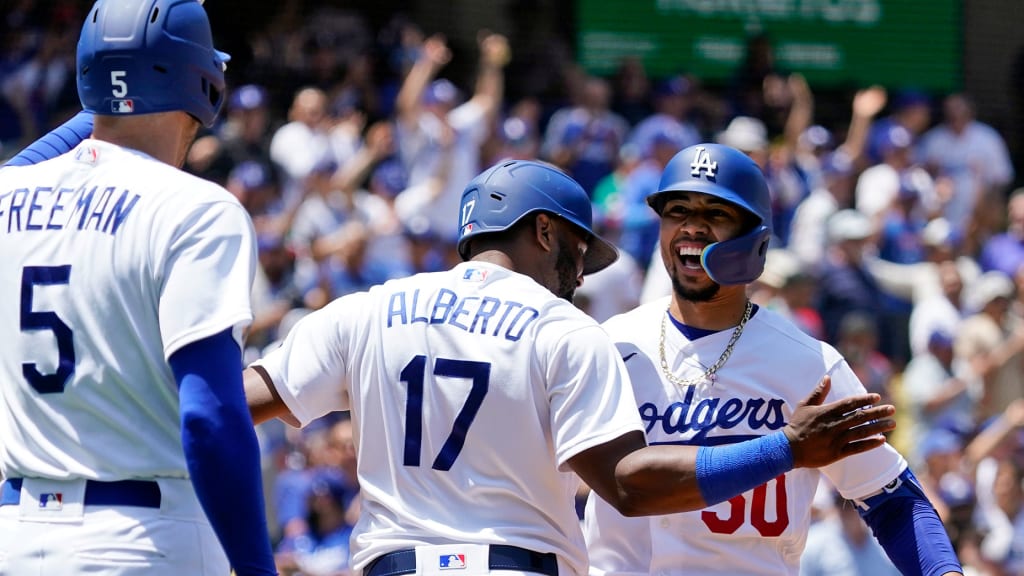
174 540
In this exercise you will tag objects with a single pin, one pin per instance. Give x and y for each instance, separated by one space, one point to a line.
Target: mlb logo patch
452 562
467 228
475 275
87 154
51 501
122 106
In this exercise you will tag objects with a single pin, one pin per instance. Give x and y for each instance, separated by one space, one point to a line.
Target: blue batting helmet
146 56
728 174
505 193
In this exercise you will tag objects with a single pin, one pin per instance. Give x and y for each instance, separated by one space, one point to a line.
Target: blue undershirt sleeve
909 529
221 450
61 139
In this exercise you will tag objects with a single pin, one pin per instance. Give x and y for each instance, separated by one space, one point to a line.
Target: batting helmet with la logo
726 173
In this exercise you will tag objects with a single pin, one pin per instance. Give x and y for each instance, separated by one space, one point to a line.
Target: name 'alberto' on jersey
471 377
112 261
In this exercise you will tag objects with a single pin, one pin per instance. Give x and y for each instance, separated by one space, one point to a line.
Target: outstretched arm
909 529
641 480
490 83
434 56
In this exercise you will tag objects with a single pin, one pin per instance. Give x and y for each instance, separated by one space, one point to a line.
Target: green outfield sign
896 43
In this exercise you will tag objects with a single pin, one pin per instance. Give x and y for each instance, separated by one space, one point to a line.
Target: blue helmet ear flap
739 260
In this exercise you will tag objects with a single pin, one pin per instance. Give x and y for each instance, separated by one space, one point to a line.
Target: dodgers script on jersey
760 532
466 385
100 288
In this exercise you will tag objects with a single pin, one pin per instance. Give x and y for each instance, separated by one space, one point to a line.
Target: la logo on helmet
702 161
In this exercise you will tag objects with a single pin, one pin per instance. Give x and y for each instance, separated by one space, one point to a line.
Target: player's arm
909 529
434 56
61 139
303 378
221 449
642 480
263 399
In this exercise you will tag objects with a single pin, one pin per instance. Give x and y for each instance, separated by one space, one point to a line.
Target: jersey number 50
414 375
32 276
737 512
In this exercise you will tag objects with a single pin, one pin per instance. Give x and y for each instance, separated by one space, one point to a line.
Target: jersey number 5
414 375
32 276
737 512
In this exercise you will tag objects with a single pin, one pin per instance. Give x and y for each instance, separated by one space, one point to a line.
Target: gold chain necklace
709 374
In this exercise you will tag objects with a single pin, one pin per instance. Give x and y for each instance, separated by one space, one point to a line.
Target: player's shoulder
777 331
639 319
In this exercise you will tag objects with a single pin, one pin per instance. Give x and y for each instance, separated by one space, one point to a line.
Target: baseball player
127 447
710 369
476 391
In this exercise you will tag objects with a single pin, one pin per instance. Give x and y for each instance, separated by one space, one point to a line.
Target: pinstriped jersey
111 262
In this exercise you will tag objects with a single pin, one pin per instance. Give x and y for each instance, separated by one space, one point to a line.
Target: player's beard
565 269
704 294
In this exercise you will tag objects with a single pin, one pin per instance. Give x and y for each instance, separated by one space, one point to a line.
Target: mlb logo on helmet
467 228
452 562
122 106
51 501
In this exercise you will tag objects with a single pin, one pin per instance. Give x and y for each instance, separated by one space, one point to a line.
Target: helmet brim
704 188
600 255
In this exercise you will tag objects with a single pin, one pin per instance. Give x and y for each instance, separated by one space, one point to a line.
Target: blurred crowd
898 236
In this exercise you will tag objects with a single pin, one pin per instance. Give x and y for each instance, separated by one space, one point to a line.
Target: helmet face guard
148 56
728 174
505 193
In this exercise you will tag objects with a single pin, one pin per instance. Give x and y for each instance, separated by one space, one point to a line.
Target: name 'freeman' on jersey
45 208
474 314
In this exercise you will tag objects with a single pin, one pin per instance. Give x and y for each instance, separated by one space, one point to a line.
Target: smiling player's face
690 221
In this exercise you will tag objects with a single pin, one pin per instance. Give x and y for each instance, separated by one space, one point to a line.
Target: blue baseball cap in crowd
896 138
672 86
390 177
251 175
248 97
669 134
909 98
441 91
817 137
837 163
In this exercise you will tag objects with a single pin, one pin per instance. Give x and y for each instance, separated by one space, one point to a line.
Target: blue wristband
732 469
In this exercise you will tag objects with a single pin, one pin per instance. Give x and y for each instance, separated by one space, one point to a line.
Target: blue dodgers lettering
48 209
470 314
700 418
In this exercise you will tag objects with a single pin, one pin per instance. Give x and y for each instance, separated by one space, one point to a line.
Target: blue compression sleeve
222 451
909 529
725 471
61 139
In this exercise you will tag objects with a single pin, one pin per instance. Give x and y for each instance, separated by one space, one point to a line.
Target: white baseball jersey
111 262
772 368
469 390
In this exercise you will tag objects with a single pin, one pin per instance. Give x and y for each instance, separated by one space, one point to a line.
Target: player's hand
820 434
